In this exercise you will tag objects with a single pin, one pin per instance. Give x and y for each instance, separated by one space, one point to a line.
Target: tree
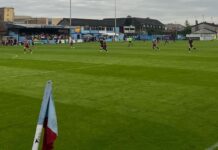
187 24
188 28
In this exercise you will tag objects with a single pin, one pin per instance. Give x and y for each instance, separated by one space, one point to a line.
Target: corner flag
47 120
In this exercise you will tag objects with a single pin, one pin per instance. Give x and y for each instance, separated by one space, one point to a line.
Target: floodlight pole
70 12
115 20
70 22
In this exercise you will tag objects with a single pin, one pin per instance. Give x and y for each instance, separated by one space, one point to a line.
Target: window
109 29
101 28
86 28
50 21
93 28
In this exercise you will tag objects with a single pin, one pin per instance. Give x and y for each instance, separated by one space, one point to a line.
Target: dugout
45 34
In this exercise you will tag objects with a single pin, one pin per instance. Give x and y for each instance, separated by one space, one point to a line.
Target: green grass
129 99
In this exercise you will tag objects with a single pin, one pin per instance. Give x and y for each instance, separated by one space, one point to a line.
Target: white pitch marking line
88 67
41 73
213 147
46 72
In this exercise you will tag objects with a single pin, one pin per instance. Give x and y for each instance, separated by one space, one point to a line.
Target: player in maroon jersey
27 47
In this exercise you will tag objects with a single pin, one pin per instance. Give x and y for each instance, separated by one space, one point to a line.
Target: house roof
109 22
204 31
211 24
22 26
147 21
80 22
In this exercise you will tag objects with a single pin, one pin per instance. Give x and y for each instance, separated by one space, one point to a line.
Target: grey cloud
166 11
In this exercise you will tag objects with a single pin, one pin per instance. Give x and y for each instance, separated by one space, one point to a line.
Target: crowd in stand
43 36
11 41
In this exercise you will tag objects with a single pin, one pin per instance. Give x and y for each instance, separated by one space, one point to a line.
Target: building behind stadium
20 27
82 29
204 31
129 26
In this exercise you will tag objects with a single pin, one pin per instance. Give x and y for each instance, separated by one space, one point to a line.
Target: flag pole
42 116
37 137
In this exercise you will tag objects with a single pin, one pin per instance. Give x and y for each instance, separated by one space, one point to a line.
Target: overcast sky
167 11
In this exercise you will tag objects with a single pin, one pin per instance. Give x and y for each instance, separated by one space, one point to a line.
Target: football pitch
131 98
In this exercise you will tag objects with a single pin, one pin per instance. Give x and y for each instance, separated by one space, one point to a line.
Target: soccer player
101 41
27 47
71 42
155 44
105 45
130 41
191 46
158 40
166 40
